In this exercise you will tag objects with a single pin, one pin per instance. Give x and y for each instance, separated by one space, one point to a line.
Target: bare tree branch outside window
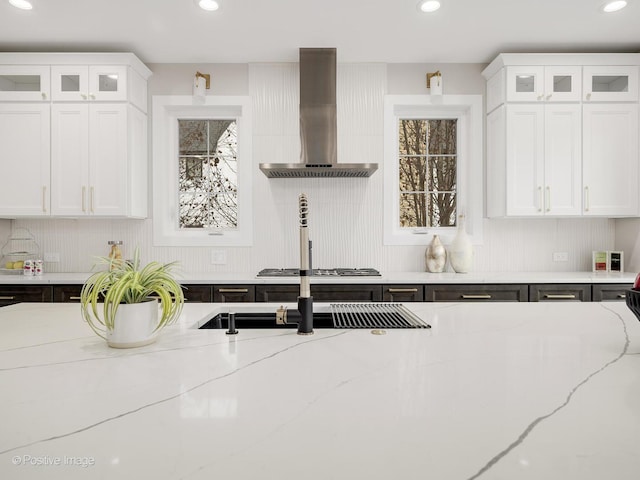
208 174
427 166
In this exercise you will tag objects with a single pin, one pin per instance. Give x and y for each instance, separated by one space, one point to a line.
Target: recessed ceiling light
21 4
209 5
614 6
428 6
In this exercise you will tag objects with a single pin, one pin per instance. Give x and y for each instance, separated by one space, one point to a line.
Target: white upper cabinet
562 135
610 160
543 83
610 84
107 83
29 83
24 153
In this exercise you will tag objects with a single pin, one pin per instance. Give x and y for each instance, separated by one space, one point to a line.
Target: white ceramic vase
461 249
435 256
134 325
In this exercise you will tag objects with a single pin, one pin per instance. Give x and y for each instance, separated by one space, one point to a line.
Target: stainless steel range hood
318 124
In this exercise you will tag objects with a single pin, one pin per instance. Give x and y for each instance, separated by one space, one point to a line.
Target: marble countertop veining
491 391
385 277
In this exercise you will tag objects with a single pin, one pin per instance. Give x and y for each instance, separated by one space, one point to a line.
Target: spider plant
127 282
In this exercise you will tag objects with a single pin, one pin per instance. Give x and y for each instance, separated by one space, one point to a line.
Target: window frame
468 110
167 110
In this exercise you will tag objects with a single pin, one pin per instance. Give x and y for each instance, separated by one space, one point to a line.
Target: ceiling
390 31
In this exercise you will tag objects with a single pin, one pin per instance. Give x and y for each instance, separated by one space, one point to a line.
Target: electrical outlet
51 257
218 257
560 256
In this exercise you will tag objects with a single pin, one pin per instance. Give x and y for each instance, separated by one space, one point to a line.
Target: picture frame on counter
607 261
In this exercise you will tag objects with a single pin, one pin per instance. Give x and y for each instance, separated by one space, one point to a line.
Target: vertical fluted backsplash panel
346 220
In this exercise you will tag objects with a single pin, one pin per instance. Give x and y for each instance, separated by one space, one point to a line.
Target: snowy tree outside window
208 174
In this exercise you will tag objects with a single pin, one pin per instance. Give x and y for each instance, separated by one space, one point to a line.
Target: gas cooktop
320 272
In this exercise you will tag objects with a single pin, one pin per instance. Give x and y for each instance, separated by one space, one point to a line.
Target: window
202 164
427 172
432 167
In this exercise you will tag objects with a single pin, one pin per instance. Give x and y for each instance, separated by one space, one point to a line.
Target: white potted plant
120 303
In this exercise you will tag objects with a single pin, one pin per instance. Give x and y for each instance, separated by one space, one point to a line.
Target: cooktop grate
374 315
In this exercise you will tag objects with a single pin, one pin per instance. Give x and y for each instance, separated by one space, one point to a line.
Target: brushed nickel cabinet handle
586 198
540 200
91 199
7 298
548 199
560 296
622 295
402 290
485 296
75 298
84 199
234 290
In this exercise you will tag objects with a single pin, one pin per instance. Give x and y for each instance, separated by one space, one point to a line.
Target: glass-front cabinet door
89 83
28 83
562 84
544 84
525 84
610 84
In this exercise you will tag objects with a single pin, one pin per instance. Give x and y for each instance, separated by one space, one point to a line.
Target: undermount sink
341 315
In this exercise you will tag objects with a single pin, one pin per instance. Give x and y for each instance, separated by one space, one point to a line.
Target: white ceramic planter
134 325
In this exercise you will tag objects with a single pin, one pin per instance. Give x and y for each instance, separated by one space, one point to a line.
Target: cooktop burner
320 272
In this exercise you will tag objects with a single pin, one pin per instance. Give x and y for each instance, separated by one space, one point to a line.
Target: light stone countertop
492 391
386 278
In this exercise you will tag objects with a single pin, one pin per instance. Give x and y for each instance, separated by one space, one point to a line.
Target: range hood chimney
318 125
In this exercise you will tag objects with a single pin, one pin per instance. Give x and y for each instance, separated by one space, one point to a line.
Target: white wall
346 214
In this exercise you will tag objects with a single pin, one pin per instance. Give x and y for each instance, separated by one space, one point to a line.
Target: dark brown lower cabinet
10 294
402 293
476 293
320 293
234 293
560 292
66 293
604 292
197 293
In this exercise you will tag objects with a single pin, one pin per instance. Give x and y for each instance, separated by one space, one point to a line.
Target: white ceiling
391 31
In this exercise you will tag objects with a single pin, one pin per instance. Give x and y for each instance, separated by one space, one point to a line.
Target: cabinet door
69 159
402 293
562 159
560 293
108 150
70 83
610 159
108 83
24 83
610 84
234 293
604 292
10 294
562 84
67 293
525 160
197 293
476 293
525 84
25 154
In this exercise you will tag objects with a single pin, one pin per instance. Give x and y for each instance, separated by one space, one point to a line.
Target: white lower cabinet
98 160
610 159
24 153
536 149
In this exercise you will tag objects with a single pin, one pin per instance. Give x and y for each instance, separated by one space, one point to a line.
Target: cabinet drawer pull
548 199
403 290
586 198
622 295
75 298
7 298
484 296
560 296
234 290
540 200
